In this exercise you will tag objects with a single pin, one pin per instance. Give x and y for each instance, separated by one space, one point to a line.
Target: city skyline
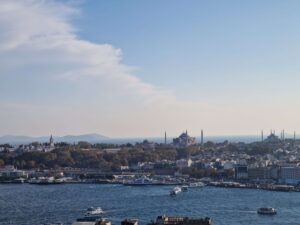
138 69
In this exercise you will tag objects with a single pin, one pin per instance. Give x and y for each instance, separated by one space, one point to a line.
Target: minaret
165 137
262 136
201 137
51 142
294 136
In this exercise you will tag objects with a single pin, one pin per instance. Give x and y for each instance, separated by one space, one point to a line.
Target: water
33 204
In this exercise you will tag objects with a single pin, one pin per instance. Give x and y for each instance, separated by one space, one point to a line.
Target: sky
139 68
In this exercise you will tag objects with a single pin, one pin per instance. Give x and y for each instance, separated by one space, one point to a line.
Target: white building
183 163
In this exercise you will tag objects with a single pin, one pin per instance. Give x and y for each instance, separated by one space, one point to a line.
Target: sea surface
33 204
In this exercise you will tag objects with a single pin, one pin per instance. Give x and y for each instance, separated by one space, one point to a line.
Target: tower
294 136
262 136
165 137
51 142
201 137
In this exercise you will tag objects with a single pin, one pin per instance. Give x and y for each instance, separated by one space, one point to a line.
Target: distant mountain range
14 139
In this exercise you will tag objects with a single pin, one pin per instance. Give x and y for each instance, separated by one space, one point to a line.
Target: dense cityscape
272 163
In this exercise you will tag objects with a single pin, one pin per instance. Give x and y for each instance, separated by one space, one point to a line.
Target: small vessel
196 184
92 214
175 191
184 188
93 211
45 180
267 211
141 181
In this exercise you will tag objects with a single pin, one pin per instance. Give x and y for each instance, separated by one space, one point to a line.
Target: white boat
93 211
141 181
267 211
196 184
175 191
45 180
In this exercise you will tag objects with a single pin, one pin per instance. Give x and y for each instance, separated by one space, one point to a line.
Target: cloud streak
39 34
52 81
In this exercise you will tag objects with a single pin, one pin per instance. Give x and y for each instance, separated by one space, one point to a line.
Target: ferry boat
45 180
141 181
175 191
267 211
196 184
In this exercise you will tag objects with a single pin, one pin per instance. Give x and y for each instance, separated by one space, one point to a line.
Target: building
9 171
272 139
97 222
51 142
148 146
129 222
263 173
290 175
183 163
184 140
240 172
166 220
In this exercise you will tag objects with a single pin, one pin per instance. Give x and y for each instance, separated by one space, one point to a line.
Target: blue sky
138 68
201 49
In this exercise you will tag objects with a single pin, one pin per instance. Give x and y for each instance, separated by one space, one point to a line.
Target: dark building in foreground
129 222
166 220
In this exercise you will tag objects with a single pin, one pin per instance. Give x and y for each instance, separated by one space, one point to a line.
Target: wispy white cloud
39 33
90 88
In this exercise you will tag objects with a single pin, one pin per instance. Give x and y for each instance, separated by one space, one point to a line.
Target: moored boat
196 184
141 181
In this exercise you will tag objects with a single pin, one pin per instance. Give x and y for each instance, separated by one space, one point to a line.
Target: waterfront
30 204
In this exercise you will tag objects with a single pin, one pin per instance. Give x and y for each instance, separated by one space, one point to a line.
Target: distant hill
14 139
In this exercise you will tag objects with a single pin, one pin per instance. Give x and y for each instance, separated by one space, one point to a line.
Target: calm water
31 204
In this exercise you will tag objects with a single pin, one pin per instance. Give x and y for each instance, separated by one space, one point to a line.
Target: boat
184 188
141 182
196 184
175 191
45 180
92 214
93 211
267 211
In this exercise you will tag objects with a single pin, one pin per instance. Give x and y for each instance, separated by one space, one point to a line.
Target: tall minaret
165 137
294 136
262 136
51 142
201 137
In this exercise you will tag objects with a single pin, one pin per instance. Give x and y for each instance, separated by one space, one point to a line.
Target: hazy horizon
138 69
